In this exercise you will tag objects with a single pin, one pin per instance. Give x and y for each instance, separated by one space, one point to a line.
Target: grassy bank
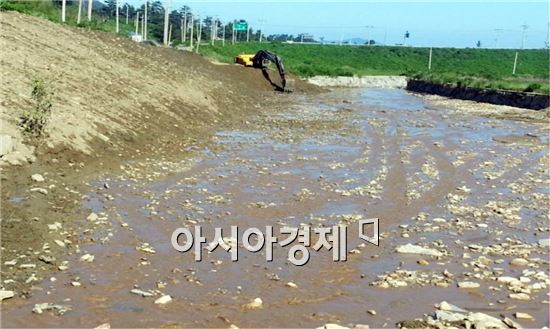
46 10
482 68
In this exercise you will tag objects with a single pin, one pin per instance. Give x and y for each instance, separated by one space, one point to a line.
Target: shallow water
369 153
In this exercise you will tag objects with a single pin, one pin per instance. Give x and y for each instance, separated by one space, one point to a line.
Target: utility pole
90 5
63 10
145 20
116 16
216 21
430 60
127 14
79 12
170 35
142 27
166 23
137 22
212 31
223 35
182 30
184 27
233 36
247 34
515 64
192 26
200 35
524 29
261 28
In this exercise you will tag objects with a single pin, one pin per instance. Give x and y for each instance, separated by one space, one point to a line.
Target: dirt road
468 193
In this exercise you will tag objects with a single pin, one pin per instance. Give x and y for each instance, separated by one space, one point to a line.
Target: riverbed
470 191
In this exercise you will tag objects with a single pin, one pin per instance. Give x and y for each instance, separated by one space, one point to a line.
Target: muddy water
346 155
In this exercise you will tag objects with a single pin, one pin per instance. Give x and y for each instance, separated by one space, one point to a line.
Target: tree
109 8
478 44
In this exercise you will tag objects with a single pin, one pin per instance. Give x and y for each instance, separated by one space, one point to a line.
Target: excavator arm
260 61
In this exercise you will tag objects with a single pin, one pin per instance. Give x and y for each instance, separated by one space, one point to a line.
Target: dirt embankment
112 101
497 97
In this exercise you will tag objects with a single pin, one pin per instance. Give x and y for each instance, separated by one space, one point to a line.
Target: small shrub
34 119
344 71
532 87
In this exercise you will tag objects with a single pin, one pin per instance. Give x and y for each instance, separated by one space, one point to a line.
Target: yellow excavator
261 60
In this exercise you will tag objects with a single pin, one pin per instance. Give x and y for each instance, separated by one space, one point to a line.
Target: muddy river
462 197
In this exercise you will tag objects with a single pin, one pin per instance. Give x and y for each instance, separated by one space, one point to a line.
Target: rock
468 285
54 227
414 249
27 266
544 242
92 217
444 306
371 312
5 294
508 280
60 309
37 178
59 243
7 144
104 326
256 303
142 293
511 323
520 296
291 285
423 262
87 258
47 259
481 320
523 316
163 300
448 316
520 262
145 247
39 190
76 284
332 326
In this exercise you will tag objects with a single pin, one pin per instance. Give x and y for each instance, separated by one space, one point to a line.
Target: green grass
45 9
481 68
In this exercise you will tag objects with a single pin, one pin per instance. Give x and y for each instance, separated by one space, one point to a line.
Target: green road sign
241 26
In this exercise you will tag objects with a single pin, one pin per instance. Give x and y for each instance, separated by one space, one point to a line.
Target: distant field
482 68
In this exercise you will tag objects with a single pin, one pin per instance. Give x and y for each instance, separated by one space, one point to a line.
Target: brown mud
471 189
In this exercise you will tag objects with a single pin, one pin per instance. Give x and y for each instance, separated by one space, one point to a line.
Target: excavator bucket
289 86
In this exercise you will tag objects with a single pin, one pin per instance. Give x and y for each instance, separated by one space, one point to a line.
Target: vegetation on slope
481 68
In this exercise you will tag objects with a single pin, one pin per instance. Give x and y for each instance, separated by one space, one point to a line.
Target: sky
433 23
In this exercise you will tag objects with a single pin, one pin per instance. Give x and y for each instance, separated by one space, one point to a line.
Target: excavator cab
261 61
